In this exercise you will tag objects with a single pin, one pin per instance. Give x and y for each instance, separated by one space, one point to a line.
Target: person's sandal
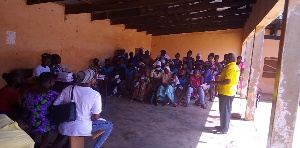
218 132
176 104
186 105
165 104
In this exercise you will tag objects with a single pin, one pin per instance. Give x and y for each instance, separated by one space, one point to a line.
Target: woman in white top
88 109
44 67
155 79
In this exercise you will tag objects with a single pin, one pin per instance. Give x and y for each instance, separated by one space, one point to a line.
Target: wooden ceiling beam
180 24
87 1
191 30
85 8
32 2
181 19
205 25
134 13
183 5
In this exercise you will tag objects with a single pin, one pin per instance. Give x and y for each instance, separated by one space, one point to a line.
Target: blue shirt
184 81
209 77
107 71
130 73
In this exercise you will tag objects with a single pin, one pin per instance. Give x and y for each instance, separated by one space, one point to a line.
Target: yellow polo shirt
232 72
12 136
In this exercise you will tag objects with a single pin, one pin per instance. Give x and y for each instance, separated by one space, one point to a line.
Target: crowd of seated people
136 77
161 80
39 100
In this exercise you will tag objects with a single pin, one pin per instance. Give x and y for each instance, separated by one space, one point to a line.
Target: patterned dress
40 105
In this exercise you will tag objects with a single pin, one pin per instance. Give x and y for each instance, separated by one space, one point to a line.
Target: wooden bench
78 141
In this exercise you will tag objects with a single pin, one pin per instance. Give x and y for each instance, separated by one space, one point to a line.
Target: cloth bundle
65 76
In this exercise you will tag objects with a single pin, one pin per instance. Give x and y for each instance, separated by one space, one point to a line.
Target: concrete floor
140 125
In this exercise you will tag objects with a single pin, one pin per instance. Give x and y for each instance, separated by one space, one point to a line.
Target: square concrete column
247 61
287 82
254 74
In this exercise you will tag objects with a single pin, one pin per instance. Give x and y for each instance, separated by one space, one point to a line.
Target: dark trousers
225 106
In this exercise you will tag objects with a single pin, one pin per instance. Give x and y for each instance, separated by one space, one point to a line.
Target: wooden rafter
198 29
31 2
87 1
204 25
133 14
164 4
182 19
117 6
179 24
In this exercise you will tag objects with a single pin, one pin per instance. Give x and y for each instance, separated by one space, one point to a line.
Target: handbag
64 112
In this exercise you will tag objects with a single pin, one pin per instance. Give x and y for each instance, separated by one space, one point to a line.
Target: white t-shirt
162 60
88 102
40 69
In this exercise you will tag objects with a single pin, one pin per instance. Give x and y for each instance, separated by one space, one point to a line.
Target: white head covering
85 76
199 54
158 63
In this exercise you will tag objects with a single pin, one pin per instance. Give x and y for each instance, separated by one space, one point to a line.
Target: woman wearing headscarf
165 92
88 108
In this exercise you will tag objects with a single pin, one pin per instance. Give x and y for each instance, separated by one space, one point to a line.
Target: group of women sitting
166 80
39 100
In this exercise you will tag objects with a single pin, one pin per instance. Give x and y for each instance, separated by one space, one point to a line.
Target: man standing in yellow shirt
227 89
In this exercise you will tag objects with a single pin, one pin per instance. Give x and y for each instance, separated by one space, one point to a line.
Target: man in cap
88 108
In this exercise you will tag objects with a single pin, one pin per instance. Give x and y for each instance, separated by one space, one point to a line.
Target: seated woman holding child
141 81
165 92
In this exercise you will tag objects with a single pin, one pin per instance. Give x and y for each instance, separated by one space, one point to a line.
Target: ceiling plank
161 26
181 18
191 30
205 26
133 13
84 8
72 9
87 1
32 2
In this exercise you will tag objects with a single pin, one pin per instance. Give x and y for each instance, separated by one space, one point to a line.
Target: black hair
46 76
190 51
217 56
163 51
240 57
54 57
95 59
212 54
46 56
10 77
21 113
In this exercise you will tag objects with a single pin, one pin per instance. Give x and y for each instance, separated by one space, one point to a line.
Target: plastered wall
44 28
270 49
218 42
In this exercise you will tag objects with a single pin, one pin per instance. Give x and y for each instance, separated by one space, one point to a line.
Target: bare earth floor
141 125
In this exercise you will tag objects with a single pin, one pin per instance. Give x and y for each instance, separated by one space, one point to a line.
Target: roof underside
163 17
